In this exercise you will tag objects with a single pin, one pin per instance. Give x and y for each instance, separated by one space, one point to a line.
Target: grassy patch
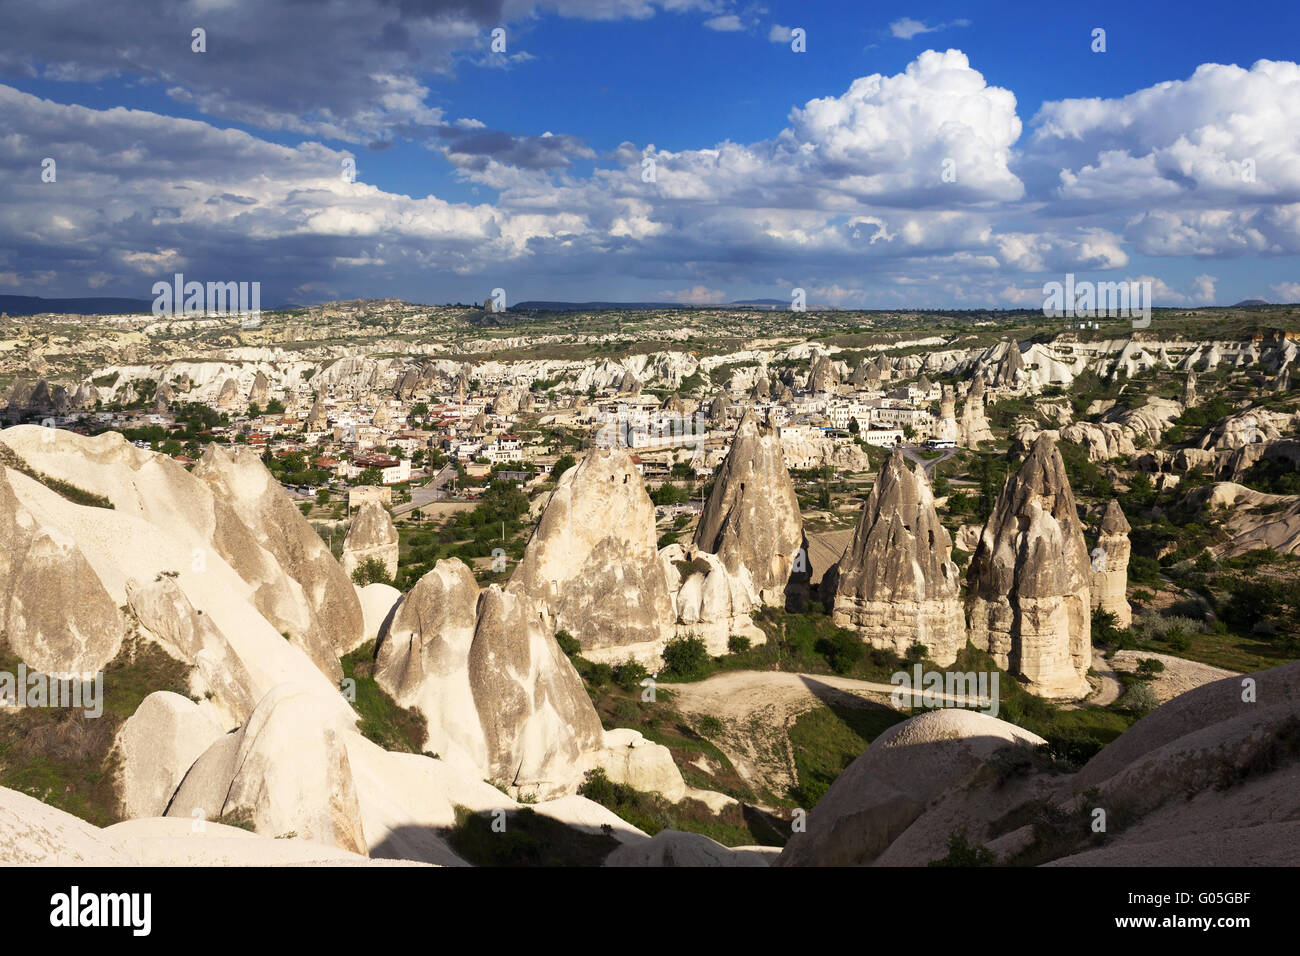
527 839
79 496
827 739
66 759
383 720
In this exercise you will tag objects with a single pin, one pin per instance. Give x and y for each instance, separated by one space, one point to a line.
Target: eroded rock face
56 615
752 520
1110 566
501 700
629 759
423 661
592 563
896 585
371 534
974 425
1028 586
158 744
712 604
240 481
537 719
881 794
286 770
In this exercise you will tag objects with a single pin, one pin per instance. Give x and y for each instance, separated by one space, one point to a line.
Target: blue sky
1174 155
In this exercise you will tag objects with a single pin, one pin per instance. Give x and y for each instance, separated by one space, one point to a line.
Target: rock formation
55 614
896 585
947 430
762 387
1028 586
711 603
752 520
974 426
1010 370
1110 566
371 535
718 411
260 393
317 420
239 479
592 563
1189 390
823 375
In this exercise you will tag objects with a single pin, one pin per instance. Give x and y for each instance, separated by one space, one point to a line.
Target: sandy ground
1178 677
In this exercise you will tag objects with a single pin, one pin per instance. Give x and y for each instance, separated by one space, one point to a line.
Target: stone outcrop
593 564
882 793
711 603
823 375
974 426
371 534
423 662
240 481
896 585
537 719
1189 390
1010 370
718 410
158 745
1110 566
1028 585
55 614
260 393
752 520
947 430
316 420
629 759
286 771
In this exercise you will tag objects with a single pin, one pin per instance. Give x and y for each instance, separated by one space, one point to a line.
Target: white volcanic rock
225 623
751 520
537 718
377 604
1028 597
884 791
166 614
500 698
56 615
974 426
371 534
287 770
423 662
712 603
1110 566
896 584
629 759
35 834
158 744
334 622
593 563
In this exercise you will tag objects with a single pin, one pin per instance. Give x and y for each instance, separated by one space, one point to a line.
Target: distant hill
538 306
1250 302
106 305
765 303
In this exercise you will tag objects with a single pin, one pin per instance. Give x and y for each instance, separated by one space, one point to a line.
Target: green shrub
568 643
843 649
737 644
629 674
962 852
710 726
370 571
685 658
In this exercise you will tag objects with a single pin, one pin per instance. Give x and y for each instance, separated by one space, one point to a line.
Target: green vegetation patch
383 720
